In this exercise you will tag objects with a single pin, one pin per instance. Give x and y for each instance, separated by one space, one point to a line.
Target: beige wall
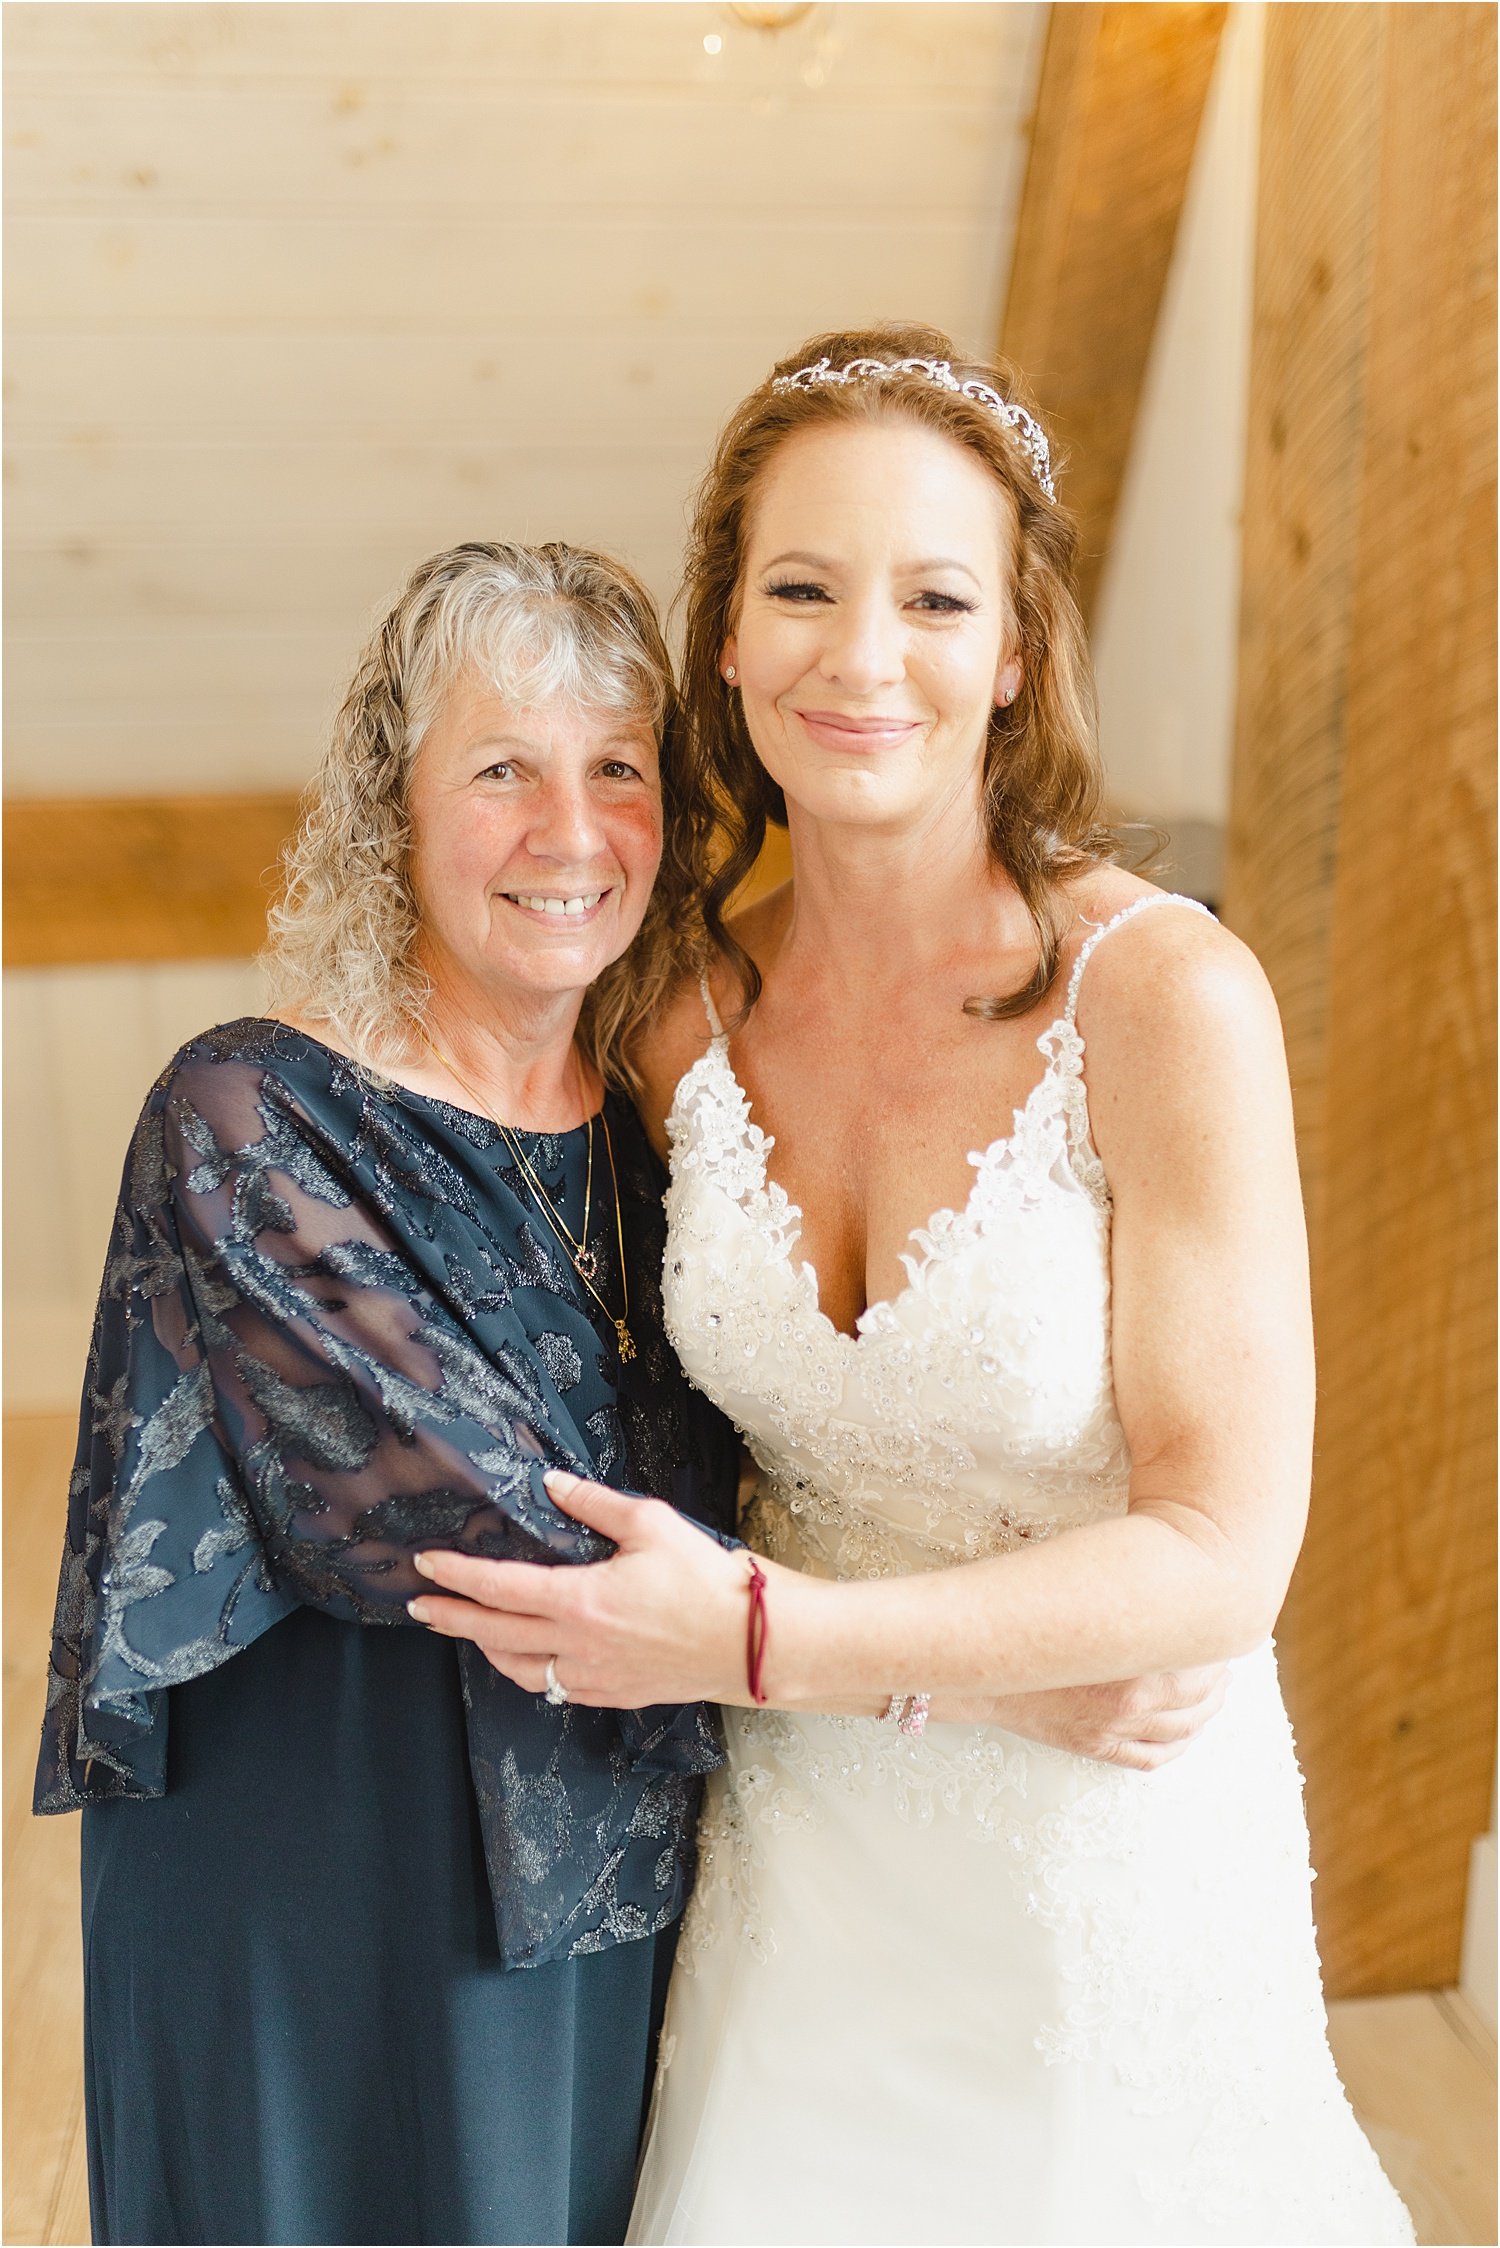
82 1046
1167 624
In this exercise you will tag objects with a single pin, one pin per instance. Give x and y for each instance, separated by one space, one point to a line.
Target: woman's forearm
1143 1592
1160 1590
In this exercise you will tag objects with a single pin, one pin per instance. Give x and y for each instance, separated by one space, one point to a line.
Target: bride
940 1983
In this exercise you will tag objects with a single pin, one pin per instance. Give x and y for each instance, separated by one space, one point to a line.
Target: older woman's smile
543 908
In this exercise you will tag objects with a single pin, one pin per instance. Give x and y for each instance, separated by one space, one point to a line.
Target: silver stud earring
1009 695
729 671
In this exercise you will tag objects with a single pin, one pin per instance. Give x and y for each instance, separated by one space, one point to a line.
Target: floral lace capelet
332 1330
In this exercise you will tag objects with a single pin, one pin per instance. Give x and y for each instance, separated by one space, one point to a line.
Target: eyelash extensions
945 604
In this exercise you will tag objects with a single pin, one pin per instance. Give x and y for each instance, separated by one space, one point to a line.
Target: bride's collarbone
865 1181
886 1121
873 1125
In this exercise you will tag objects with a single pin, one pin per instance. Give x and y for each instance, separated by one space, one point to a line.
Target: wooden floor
1419 2068
46 2198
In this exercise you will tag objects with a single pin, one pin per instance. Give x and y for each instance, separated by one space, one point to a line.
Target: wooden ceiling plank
362 50
1118 108
546 151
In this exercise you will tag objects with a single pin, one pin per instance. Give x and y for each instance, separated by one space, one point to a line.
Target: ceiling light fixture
768 15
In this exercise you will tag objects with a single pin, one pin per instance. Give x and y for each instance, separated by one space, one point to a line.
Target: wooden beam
169 877
1315 234
140 878
1362 868
1403 1552
1121 95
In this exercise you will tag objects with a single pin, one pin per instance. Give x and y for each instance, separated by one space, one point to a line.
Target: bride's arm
1213 1377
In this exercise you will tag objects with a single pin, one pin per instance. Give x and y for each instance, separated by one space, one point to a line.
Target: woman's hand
1140 1723
663 1620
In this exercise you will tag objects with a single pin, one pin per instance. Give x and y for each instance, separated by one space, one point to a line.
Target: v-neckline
790 1237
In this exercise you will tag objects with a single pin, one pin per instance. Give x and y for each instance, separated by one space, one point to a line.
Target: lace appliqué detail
783 1769
1142 1982
867 1442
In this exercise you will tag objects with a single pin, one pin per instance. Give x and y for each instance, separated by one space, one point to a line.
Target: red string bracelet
758 1633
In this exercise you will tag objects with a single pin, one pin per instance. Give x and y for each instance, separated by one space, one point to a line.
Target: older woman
375 1940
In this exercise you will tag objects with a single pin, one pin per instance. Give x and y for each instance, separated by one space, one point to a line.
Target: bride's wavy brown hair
1043 786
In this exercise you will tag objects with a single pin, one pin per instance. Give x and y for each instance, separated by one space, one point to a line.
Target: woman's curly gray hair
540 623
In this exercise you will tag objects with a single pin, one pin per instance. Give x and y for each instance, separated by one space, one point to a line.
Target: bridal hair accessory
907 1712
1028 434
758 1633
557 1692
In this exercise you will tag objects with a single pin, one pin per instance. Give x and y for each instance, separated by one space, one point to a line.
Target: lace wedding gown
962 1988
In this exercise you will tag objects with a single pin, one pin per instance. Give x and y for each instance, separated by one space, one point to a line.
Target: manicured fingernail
422 1565
417 1610
558 1479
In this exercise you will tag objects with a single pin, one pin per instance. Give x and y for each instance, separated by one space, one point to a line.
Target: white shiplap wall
82 1046
298 294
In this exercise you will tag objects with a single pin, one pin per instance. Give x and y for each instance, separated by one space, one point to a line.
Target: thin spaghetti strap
1107 928
710 1009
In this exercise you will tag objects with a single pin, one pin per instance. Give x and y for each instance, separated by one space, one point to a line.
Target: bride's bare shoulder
664 1052
1156 940
680 1033
1179 1020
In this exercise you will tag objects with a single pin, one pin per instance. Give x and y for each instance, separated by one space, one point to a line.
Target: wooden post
1315 230
1362 869
1118 108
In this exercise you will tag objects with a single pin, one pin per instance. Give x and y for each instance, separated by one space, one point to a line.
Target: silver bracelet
907 1712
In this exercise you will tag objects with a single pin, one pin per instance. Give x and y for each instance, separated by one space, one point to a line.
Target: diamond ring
557 1693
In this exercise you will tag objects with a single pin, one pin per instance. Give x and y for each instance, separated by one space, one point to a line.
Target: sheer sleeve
365 1419
282 1405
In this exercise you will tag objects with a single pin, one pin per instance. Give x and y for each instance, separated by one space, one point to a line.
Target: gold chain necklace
583 1259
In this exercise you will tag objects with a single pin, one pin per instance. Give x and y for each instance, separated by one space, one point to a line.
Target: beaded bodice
968 1413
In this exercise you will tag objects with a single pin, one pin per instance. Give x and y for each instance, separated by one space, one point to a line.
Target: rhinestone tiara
1029 434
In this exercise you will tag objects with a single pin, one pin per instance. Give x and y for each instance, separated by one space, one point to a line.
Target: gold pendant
625 1340
586 1265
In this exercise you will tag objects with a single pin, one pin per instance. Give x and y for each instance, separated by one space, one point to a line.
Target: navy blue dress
375 1943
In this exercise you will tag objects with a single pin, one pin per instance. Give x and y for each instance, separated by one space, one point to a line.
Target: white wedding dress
962 1988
